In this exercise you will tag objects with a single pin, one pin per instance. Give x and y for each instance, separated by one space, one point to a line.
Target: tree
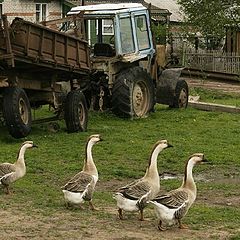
210 17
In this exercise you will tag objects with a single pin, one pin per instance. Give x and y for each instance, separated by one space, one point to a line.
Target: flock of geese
170 207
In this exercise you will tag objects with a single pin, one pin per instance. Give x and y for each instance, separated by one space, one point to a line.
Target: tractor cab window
101 36
126 35
142 32
100 31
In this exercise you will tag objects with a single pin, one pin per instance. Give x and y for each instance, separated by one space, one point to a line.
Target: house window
41 12
1 10
107 27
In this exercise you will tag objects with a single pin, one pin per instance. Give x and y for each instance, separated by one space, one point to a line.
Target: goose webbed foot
120 214
7 190
92 206
70 206
67 205
160 227
182 226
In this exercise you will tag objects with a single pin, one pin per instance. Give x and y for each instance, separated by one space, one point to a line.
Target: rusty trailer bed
26 45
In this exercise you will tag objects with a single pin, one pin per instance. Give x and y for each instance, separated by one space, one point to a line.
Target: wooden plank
213 107
10 61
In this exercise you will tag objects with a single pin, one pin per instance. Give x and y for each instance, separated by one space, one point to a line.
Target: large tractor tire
133 93
76 112
17 112
181 95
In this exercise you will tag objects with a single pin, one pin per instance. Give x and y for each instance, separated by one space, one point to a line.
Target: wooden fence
215 61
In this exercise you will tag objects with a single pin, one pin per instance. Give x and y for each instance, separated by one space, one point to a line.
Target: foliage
210 17
160 33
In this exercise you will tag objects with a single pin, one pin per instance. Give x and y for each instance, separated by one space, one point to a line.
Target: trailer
41 66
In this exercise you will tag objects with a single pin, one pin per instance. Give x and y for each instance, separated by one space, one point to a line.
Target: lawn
36 208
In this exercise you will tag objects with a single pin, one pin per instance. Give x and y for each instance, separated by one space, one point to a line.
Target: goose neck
152 167
188 176
21 154
89 157
89 165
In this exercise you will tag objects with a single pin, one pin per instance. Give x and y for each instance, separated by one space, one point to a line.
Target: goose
134 196
81 187
11 172
171 207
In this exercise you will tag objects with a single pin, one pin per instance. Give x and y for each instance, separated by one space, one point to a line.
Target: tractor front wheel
181 95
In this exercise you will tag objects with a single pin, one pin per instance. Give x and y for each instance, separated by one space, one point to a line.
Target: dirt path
227 87
22 221
87 225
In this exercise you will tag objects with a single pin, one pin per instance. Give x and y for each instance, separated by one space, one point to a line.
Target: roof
107 8
170 5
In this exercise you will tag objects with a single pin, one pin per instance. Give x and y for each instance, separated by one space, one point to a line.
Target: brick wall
26 9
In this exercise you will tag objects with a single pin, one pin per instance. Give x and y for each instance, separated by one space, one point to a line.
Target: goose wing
173 199
79 182
8 178
6 168
135 190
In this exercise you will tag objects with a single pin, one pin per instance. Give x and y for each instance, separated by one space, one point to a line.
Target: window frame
139 38
106 26
39 12
127 41
1 10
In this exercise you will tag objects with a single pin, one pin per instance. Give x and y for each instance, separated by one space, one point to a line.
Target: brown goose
134 196
11 172
81 187
170 208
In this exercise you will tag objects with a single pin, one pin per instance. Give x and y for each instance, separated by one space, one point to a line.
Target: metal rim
182 100
140 99
23 111
81 114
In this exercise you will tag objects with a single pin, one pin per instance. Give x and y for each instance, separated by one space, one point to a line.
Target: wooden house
232 43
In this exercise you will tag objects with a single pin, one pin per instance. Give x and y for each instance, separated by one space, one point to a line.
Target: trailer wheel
17 112
181 95
75 112
133 93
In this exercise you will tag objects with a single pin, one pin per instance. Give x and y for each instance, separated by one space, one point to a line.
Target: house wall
26 9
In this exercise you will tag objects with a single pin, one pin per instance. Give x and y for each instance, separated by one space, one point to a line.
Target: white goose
134 196
171 207
11 172
81 187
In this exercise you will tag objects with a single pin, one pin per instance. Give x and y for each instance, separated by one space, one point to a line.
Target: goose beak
206 161
34 145
100 139
169 145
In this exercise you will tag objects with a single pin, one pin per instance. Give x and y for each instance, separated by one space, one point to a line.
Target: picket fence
216 61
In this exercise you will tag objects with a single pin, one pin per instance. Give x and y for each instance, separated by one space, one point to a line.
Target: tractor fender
166 85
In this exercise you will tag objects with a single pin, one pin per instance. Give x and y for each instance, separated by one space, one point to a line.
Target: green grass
123 155
216 96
